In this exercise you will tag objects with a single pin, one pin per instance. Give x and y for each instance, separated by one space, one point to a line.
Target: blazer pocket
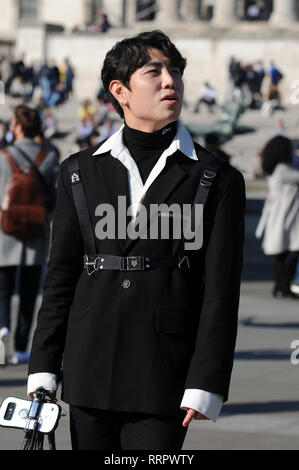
171 320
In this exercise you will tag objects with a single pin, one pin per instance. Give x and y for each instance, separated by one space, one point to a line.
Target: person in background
207 95
83 131
57 96
279 222
3 131
86 110
49 123
69 78
275 77
212 144
23 257
6 71
44 80
101 24
66 76
54 74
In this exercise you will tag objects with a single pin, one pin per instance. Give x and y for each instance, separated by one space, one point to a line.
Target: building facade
208 32
130 13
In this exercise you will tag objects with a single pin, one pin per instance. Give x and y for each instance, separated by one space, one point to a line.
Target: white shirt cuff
41 379
206 403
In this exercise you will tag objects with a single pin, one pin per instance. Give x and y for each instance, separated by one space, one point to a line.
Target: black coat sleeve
212 360
64 268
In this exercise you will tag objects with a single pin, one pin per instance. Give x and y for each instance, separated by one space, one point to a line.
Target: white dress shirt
207 403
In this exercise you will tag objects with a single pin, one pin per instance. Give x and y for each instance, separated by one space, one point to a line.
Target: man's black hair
132 53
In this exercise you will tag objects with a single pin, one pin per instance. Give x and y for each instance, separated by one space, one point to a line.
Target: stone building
129 13
208 32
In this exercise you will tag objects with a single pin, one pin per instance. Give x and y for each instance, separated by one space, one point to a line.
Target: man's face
156 94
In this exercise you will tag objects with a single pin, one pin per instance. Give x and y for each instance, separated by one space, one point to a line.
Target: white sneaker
4 339
20 357
295 287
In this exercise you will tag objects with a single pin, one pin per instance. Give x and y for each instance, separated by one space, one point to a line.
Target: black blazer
139 348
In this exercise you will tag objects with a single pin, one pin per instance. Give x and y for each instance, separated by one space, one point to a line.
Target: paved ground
263 407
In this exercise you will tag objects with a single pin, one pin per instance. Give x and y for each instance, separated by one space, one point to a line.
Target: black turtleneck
147 147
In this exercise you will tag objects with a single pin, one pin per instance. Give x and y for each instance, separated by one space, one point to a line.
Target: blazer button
126 283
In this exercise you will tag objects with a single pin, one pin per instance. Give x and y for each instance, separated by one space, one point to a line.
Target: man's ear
118 90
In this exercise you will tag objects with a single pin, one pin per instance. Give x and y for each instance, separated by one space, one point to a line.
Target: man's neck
148 127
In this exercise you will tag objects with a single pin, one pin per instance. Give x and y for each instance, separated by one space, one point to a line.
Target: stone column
168 12
87 11
130 13
224 12
191 8
284 12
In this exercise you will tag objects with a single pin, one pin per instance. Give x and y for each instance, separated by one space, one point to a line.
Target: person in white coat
279 222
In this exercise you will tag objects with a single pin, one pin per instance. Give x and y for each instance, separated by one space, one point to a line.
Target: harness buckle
208 175
88 265
132 263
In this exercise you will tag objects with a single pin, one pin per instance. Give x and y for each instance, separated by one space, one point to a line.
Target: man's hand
51 392
192 414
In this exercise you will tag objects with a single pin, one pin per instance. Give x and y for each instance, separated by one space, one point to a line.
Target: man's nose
167 79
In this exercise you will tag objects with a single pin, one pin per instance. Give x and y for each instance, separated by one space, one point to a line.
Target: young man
147 339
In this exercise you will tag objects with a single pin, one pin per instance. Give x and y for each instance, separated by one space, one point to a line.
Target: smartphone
14 413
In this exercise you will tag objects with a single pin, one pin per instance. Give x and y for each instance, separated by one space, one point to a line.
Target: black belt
101 262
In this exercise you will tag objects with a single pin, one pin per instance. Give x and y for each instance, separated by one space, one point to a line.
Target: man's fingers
51 392
192 414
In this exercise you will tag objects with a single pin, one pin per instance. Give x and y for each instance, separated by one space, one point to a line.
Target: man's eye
153 71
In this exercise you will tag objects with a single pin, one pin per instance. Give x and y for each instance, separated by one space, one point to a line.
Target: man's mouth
170 98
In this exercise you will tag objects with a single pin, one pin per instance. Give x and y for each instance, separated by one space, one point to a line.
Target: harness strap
81 205
94 262
104 262
206 181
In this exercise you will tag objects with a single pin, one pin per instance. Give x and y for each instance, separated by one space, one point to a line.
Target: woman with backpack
28 176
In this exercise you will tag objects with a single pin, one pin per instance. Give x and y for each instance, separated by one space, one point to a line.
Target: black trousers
285 268
28 287
94 429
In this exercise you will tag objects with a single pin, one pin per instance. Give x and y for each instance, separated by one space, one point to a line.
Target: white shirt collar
115 145
182 141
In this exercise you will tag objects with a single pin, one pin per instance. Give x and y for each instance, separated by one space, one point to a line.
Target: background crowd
257 86
48 84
